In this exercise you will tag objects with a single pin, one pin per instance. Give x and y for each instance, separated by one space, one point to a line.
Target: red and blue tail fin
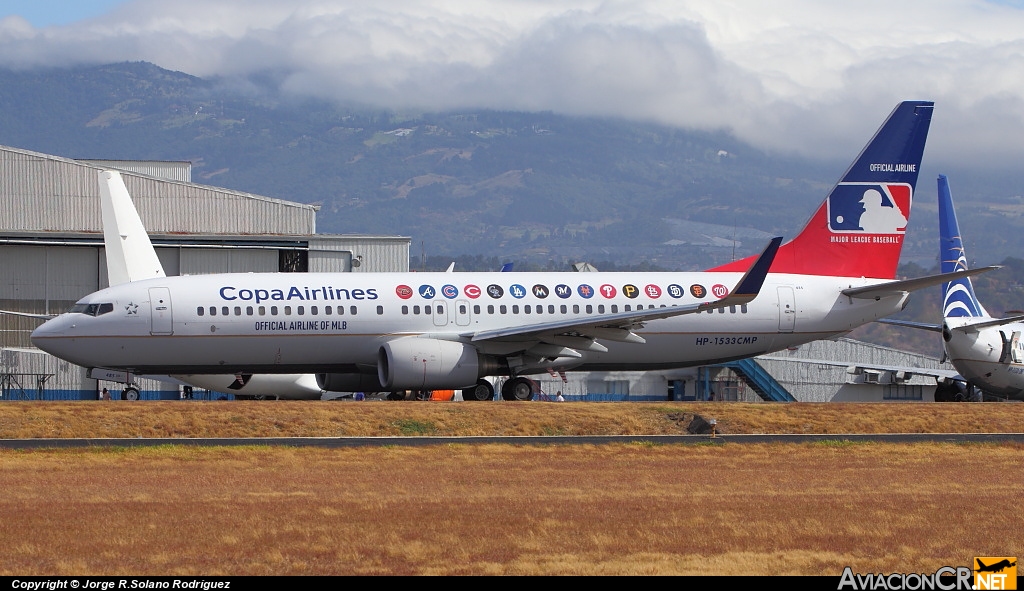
858 230
958 299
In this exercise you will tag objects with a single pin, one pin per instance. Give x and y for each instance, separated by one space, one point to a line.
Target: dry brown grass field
504 509
24 420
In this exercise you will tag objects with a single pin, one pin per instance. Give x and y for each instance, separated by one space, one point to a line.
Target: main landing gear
519 388
483 390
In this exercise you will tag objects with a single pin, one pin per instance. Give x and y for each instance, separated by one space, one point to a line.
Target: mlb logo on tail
869 208
858 230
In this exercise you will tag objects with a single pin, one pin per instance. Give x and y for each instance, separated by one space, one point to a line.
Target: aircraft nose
48 334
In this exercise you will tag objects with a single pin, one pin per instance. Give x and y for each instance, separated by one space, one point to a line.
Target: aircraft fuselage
298 323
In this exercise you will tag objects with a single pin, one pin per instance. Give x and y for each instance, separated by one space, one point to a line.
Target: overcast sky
813 76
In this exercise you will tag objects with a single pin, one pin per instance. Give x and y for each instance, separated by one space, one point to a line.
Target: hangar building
51 248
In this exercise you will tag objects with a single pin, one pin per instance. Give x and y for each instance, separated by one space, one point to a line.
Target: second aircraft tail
958 299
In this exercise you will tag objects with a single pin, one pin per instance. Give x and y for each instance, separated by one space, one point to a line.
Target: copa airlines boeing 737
987 352
397 331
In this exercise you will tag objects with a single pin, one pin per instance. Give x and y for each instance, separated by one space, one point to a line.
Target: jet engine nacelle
417 363
348 382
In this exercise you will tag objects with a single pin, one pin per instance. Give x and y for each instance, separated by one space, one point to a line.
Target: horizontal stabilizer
975 326
911 324
891 288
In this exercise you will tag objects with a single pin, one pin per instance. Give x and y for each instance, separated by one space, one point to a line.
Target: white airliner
399 331
131 257
987 352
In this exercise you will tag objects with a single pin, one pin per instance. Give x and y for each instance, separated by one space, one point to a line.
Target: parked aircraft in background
131 257
399 331
987 352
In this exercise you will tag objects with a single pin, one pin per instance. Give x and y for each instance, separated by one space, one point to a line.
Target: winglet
751 282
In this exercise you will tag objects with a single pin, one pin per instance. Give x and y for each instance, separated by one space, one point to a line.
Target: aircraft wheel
483 390
946 392
518 389
130 393
396 395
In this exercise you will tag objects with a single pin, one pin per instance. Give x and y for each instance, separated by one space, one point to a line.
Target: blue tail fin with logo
958 299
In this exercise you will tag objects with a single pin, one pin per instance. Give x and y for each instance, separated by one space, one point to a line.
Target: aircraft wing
890 288
619 327
29 315
937 373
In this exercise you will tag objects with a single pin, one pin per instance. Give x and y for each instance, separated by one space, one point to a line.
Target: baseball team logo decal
868 208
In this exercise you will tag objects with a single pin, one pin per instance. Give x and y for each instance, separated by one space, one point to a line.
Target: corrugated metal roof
172 171
45 193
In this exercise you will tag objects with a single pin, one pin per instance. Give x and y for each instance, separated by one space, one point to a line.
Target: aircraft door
440 312
160 311
787 308
462 314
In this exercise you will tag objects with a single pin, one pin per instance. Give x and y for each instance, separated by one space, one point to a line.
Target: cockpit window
91 309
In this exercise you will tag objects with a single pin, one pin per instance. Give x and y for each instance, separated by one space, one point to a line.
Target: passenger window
526 309
600 308
224 311
405 310
200 310
238 310
462 309
476 309
575 308
490 308
248 311
341 310
287 310
313 310
564 309
416 310
440 310
300 310
380 310
515 308
352 310
327 310
273 310
263 310
743 309
551 308
503 309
